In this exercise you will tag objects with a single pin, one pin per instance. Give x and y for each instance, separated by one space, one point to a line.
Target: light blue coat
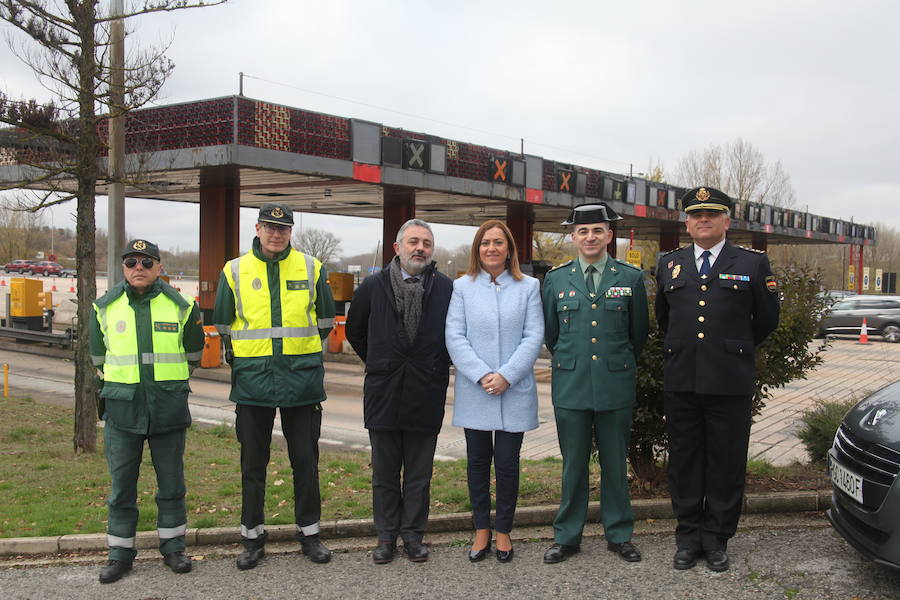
499 329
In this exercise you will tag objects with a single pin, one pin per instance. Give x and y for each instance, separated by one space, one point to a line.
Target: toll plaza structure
235 151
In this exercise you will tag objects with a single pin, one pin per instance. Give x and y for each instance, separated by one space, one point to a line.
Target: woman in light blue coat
495 328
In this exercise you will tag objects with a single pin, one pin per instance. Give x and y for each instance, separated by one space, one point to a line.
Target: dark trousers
301 427
401 510
708 440
501 447
610 430
123 455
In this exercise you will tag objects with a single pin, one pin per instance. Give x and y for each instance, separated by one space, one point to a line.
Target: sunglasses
273 228
131 263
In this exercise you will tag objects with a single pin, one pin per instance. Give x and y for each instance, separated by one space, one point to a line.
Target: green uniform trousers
123 455
611 429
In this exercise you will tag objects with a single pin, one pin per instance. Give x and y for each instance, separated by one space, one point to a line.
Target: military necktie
705 266
589 279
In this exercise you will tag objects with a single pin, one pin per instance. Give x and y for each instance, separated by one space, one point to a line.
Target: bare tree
555 248
56 141
740 170
324 245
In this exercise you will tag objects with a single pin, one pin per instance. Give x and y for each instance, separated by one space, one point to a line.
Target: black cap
599 212
276 213
706 198
142 247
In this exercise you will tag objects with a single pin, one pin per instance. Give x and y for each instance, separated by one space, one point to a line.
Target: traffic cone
2 282
53 289
72 288
863 333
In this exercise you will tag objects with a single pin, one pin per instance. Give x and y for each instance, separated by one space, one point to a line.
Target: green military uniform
150 406
595 341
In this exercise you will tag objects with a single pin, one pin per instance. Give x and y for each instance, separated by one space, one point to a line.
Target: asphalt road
799 563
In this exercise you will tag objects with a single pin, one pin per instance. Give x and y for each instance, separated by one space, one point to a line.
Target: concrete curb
529 516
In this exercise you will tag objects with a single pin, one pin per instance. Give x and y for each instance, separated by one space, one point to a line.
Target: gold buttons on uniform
701 318
594 306
734 286
593 323
703 287
593 340
565 308
700 335
702 303
594 357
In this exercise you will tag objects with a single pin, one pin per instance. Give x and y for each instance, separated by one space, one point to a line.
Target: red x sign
564 181
500 169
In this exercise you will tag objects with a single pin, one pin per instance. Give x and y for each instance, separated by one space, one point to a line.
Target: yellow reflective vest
122 361
252 330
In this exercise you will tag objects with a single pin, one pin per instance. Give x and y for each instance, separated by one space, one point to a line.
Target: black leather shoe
560 552
504 556
717 560
114 571
415 551
250 557
314 549
384 552
178 562
478 555
686 558
626 550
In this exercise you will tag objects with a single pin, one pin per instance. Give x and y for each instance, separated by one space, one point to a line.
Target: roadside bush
819 425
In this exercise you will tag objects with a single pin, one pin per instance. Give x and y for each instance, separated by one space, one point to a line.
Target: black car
864 464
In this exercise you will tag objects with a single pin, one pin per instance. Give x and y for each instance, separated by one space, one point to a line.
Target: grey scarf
408 298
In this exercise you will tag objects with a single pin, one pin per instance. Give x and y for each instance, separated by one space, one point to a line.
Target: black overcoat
406 384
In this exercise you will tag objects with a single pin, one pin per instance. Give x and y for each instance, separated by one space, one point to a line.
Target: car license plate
847 481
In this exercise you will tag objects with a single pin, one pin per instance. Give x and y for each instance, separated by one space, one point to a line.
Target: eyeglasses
273 228
132 262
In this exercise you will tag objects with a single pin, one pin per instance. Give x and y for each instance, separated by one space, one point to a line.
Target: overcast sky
601 84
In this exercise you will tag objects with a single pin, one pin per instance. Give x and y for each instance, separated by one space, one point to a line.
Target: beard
413 267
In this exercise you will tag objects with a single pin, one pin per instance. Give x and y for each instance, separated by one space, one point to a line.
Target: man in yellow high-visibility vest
145 339
273 309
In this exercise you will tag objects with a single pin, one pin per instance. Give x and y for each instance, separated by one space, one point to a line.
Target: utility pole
116 166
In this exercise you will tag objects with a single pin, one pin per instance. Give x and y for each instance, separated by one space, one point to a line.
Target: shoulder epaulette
675 250
751 249
565 264
625 264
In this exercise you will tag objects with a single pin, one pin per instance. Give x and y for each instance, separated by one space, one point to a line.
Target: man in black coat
715 303
396 326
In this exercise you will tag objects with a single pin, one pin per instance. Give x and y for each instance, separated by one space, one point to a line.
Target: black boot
114 571
314 549
253 552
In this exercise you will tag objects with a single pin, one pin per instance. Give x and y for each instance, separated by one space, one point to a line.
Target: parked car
864 464
18 266
47 268
68 273
882 314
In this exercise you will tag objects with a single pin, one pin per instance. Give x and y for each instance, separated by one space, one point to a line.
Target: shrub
818 426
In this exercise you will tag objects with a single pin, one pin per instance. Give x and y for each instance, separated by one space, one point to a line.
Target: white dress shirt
714 254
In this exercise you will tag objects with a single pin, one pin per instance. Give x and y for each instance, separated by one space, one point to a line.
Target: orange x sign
500 169
564 182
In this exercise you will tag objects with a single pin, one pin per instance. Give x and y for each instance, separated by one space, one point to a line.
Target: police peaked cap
706 198
599 212
142 247
280 214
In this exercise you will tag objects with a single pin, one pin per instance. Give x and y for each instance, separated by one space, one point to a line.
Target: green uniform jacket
595 342
277 380
149 407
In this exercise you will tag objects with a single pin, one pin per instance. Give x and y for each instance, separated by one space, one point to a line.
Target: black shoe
314 549
478 555
504 556
384 552
560 552
114 571
178 562
686 558
626 550
717 560
250 557
415 551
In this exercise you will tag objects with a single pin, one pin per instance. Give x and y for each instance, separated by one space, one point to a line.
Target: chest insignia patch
771 284
676 271
297 284
618 292
256 283
671 262
561 294
571 293
165 327
120 326
734 277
